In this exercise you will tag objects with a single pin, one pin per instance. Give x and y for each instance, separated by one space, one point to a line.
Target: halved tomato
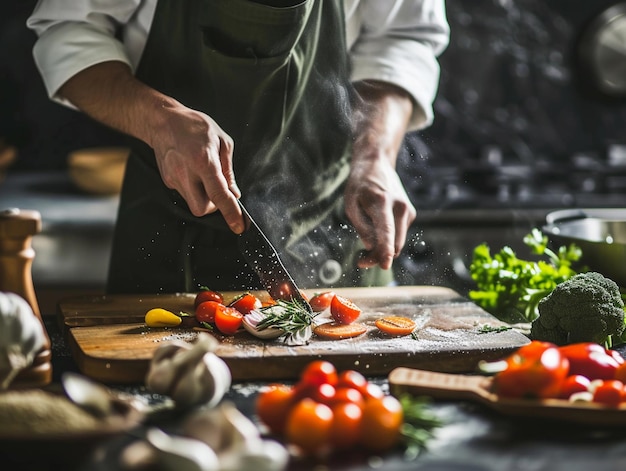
321 301
245 303
228 320
343 310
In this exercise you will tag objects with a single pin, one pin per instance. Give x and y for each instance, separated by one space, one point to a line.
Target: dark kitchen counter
472 438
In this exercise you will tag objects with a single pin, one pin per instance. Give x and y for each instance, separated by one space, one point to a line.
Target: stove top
491 182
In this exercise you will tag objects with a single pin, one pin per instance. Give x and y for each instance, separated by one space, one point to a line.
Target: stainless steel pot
600 233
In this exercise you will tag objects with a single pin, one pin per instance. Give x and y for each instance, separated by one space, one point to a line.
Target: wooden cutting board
111 343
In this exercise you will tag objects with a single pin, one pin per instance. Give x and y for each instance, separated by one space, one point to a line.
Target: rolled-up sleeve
399 42
73 36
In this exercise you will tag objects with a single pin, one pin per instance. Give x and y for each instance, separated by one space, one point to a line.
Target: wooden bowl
99 170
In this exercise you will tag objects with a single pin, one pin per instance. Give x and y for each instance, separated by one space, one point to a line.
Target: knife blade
263 258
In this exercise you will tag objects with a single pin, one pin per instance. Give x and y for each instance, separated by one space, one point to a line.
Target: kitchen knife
263 258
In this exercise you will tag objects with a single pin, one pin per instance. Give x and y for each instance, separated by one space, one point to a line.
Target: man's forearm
109 93
383 112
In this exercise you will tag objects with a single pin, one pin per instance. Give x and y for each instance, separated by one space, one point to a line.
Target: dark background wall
44 132
509 78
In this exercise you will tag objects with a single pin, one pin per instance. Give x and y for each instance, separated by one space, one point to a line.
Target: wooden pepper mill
17 228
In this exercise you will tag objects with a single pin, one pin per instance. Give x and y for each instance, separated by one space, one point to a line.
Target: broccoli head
585 308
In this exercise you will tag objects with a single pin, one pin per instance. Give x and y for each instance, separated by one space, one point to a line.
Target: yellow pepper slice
159 317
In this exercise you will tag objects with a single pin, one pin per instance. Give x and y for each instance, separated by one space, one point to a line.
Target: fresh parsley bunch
510 288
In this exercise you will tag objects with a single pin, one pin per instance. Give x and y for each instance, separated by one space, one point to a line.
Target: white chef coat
395 41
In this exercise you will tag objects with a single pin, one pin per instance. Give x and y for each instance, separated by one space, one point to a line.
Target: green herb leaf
290 316
509 287
419 424
488 329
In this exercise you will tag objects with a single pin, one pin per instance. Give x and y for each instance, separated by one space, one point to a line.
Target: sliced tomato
205 312
395 325
343 310
245 303
338 331
321 301
206 294
228 320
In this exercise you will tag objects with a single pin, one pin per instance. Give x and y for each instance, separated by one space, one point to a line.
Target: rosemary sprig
419 424
487 329
290 316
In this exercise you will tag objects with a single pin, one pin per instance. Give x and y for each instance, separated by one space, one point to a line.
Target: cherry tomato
347 395
321 301
535 370
591 360
352 379
381 423
273 406
574 384
373 391
343 310
245 303
309 426
610 393
318 372
205 312
205 294
346 429
323 393
228 319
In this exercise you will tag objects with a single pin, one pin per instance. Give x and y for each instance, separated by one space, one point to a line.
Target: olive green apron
274 76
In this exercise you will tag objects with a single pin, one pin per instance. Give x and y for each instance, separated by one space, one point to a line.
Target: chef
298 107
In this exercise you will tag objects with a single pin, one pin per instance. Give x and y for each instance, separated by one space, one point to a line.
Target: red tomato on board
205 312
206 294
228 320
321 301
343 310
245 303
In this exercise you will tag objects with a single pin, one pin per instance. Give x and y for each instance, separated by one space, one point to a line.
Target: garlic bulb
235 439
21 336
191 374
215 439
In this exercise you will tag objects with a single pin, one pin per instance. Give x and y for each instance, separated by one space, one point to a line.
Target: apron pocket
245 29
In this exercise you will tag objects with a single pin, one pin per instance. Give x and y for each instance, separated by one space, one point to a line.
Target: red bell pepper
535 370
592 360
